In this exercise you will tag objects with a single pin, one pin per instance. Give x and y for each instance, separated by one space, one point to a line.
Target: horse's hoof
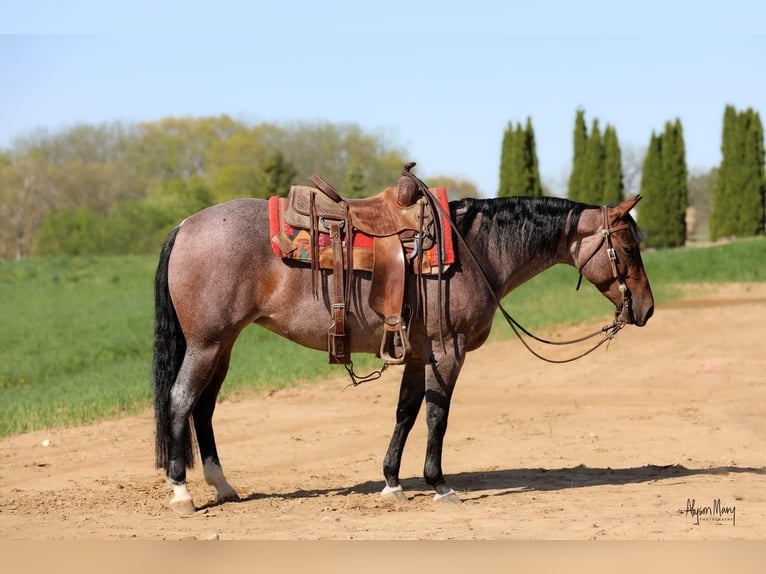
450 497
184 507
230 496
395 493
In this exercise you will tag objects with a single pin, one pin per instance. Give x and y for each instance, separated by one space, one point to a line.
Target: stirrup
395 345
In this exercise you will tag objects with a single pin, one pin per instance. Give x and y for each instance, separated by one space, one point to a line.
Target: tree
614 192
675 177
354 186
167 169
650 209
578 159
662 214
278 176
738 196
533 185
592 182
519 171
507 162
456 188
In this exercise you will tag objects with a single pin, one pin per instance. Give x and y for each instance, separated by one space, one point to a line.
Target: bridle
606 238
607 332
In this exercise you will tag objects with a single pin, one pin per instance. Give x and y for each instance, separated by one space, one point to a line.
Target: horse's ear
624 207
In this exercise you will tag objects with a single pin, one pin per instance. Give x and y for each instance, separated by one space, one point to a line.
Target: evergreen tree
580 147
738 196
533 187
592 182
519 170
649 210
614 190
505 161
722 222
662 214
278 175
750 204
355 187
676 177
518 163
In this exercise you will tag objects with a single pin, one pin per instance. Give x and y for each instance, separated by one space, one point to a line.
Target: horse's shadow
484 484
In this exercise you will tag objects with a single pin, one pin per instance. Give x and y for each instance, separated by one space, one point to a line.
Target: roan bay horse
217 274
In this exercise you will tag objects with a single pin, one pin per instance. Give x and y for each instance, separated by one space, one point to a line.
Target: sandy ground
619 445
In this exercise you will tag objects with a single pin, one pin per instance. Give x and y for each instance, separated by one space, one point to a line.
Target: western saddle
402 221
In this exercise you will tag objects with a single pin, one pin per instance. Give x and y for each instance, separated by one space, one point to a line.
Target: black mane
534 224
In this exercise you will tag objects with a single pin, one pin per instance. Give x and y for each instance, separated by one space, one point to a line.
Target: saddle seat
400 220
378 216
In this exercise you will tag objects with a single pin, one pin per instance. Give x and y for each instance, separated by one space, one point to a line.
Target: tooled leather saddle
403 223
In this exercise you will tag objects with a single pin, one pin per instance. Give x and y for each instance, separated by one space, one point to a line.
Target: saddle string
357 380
609 331
438 233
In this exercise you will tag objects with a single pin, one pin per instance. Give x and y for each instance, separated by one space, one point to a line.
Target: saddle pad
295 244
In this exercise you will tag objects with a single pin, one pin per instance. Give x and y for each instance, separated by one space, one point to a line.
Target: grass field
76 333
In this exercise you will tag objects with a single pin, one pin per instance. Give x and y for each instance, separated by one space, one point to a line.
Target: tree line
737 187
120 187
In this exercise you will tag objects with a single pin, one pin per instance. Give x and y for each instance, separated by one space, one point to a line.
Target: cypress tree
519 171
533 186
592 177
614 190
518 167
649 208
740 188
675 178
662 214
505 161
722 214
578 159
750 200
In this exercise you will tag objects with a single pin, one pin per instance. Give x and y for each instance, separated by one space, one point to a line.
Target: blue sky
440 79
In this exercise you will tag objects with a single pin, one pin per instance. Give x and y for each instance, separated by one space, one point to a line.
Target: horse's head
607 253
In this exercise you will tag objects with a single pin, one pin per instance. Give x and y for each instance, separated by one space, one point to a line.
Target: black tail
169 350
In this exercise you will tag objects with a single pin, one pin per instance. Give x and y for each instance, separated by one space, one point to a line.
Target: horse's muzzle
626 313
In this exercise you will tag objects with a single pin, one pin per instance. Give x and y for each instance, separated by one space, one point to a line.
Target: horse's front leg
440 378
411 395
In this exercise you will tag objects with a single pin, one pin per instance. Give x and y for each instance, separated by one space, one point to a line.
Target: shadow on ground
484 484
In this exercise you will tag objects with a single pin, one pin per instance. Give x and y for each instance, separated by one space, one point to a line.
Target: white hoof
448 497
182 501
394 493
184 507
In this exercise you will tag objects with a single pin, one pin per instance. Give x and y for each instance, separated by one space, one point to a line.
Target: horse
217 274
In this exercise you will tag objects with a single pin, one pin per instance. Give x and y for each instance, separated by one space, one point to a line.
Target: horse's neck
504 252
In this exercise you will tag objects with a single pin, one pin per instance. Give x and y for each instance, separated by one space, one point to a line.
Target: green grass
75 333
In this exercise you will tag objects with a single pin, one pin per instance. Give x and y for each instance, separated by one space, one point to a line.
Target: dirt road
662 436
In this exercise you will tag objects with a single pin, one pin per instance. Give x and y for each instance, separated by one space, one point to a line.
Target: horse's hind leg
411 395
203 426
195 374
